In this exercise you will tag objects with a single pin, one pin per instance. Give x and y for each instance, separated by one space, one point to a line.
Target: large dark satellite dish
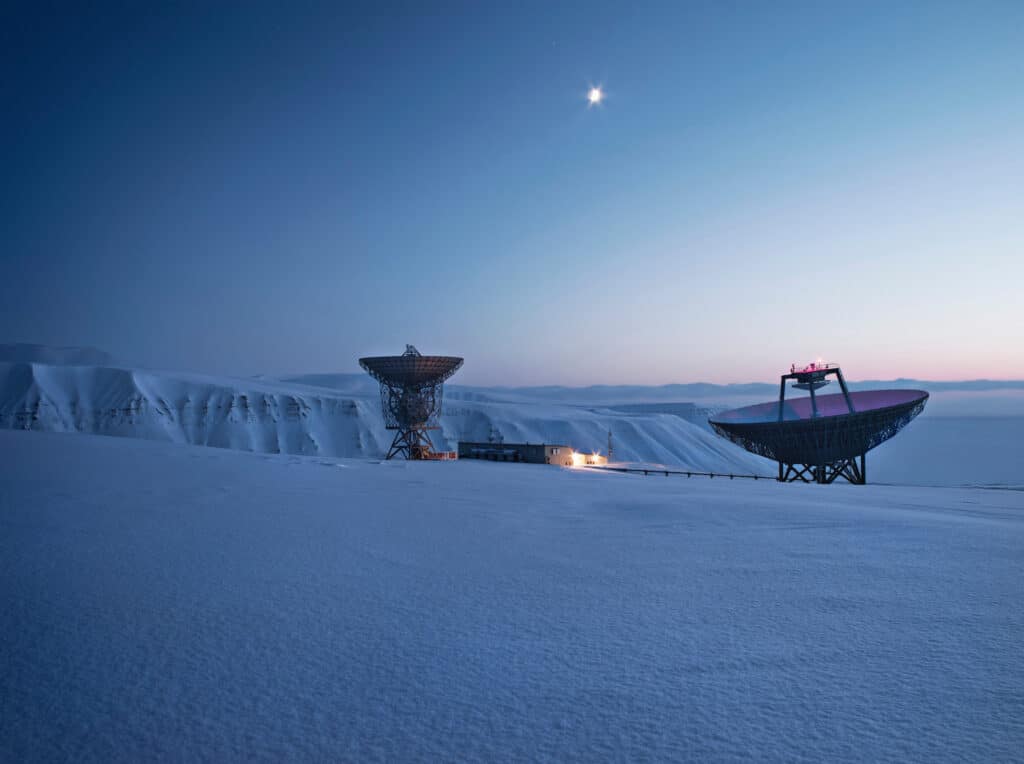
820 438
411 370
411 394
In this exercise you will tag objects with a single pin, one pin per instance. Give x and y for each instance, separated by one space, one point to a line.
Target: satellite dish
411 390
820 438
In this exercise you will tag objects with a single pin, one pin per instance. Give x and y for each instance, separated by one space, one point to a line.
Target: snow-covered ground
162 601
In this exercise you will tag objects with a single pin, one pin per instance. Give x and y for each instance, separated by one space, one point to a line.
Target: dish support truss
848 469
413 412
826 472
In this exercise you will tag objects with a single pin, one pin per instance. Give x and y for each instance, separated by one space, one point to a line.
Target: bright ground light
594 96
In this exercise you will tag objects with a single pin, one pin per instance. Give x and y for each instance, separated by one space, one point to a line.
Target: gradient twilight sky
285 187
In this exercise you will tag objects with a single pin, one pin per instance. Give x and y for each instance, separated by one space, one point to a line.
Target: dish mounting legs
413 444
848 469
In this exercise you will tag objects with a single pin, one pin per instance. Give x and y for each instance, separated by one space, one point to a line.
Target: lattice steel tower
411 390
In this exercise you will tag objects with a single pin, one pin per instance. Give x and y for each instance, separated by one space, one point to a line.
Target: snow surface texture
181 603
288 417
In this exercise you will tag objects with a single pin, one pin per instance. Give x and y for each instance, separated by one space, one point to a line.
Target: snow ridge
224 413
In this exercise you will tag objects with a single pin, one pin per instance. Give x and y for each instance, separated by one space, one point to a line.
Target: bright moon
595 95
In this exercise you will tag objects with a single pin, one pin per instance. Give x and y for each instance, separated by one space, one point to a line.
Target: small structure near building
531 453
441 456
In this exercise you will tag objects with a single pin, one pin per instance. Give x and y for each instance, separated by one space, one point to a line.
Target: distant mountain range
684 391
355 383
23 352
707 390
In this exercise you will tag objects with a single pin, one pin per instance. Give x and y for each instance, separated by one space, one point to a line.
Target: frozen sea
170 602
953 450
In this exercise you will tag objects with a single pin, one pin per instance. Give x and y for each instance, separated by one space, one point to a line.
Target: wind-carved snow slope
208 411
344 419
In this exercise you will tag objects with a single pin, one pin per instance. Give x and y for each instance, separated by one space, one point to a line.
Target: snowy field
174 602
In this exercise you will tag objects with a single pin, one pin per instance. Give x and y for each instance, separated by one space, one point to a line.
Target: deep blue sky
285 188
